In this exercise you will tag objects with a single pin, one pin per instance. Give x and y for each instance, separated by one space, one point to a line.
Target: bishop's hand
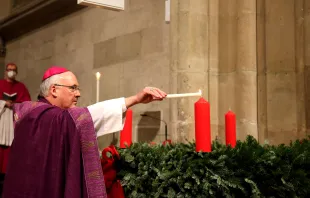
147 95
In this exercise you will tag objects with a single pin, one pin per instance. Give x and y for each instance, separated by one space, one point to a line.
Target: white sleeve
108 115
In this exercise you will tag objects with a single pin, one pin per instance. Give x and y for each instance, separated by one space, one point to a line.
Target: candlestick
202 126
199 93
98 82
126 133
230 128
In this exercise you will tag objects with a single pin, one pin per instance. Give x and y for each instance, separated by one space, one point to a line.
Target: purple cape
54 154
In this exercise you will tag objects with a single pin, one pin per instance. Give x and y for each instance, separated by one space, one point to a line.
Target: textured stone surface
280 50
4 8
189 61
307 61
307 97
2 66
216 40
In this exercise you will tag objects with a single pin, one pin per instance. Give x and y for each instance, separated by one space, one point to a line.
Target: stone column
213 47
227 43
300 68
246 70
213 72
281 66
2 67
306 35
281 38
261 72
189 62
2 58
237 66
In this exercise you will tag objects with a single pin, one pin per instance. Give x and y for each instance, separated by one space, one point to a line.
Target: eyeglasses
73 88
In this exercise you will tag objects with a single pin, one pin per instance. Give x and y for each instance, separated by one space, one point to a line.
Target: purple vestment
54 154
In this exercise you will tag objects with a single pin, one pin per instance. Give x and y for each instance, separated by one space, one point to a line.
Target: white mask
11 74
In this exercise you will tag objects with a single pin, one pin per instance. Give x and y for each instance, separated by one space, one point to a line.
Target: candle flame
200 92
98 75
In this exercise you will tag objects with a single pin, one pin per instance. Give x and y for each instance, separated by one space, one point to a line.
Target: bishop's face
67 90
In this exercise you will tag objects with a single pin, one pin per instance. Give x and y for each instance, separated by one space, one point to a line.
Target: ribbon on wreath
109 162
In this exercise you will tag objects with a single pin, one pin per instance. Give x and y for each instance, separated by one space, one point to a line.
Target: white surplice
6 125
108 116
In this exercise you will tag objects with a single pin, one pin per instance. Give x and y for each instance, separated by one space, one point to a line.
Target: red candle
230 128
202 126
126 133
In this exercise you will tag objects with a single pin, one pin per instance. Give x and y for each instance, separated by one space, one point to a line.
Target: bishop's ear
54 91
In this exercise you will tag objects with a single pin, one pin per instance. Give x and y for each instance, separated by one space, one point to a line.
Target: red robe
22 95
15 87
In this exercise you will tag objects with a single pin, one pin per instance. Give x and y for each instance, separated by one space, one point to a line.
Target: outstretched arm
108 115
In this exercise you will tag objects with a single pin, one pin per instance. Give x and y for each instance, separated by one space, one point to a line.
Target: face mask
11 74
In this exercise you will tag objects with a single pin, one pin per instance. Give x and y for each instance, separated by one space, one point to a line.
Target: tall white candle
199 93
98 82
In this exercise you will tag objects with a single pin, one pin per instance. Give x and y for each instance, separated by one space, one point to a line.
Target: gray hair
46 85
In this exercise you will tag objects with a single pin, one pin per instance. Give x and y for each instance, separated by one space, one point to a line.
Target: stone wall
215 50
282 40
306 61
4 12
129 48
250 56
5 7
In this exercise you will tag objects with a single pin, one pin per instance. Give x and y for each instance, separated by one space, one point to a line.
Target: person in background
11 91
